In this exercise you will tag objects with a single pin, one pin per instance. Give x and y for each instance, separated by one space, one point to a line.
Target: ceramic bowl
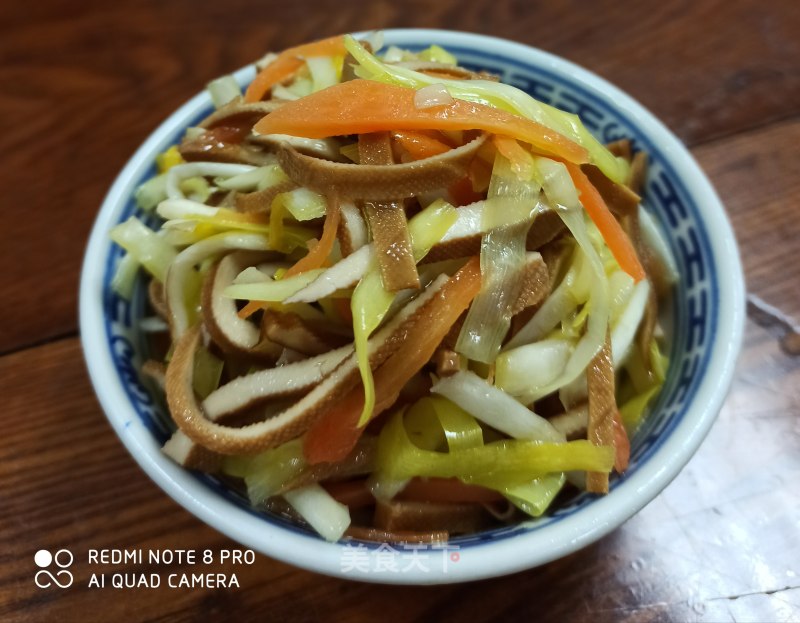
707 312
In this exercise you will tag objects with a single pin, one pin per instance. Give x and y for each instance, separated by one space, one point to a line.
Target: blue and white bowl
707 312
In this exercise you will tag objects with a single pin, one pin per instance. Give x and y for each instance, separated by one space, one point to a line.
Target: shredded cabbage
532 366
182 284
327 516
266 474
304 204
180 172
125 276
146 246
494 407
151 192
274 290
559 189
207 372
437 54
223 90
510 207
325 71
258 179
516 460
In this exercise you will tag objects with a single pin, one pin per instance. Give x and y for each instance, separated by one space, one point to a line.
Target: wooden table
84 83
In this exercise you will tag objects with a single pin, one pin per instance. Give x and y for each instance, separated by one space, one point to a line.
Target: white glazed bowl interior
708 312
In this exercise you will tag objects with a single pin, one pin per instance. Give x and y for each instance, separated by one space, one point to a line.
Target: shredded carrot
365 106
615 237
335 434
316 257
288 62
521 159
450 490
251 308
420 145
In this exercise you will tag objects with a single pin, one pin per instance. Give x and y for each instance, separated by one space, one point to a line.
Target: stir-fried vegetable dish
396 299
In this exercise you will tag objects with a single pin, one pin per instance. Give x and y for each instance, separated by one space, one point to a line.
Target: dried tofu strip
377 182
186 452
230 332
396 536
261 200
602 411
638 172
535 283
291 331
463 239
295 420
387 221
455 518
238 113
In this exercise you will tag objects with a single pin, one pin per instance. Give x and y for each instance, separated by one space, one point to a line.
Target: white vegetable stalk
304 204
622 336
494 407
223 90
323 72
125 276
654 239
559 188
344 274
327 516
510 207
559 305
151 192
184 209
271 290
531 367
183 265
260 178
149 249
625 330
204 169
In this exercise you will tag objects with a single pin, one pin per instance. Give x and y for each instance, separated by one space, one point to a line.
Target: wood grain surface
83 85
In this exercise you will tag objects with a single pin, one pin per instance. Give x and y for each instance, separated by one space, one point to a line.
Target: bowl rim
524 550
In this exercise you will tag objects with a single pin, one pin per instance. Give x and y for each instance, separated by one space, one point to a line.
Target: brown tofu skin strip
387 221
406 516
602 410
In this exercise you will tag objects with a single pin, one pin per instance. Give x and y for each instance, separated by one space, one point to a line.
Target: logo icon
63 558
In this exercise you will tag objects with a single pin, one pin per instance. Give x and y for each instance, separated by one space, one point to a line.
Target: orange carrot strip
364 106
420 145
612 232
447 490
521 160
316 257
288 62
251 308
335 434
